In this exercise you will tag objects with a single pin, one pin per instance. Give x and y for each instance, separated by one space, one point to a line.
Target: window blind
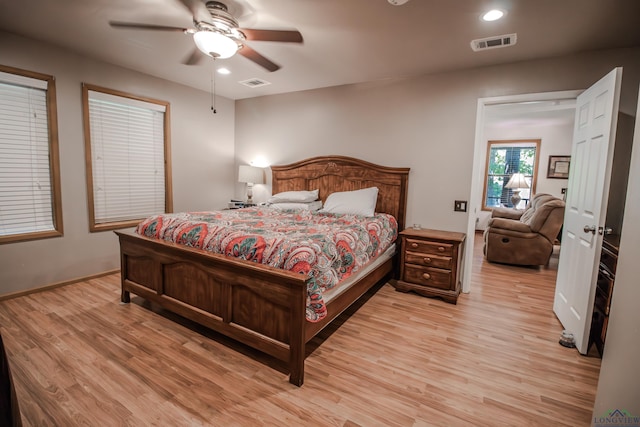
26 203
127 150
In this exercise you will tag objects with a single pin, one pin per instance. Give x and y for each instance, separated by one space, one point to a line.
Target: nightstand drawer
604 290
427 247
432 277
428 260
609 260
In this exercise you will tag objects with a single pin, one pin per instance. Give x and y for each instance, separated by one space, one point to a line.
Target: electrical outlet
460 206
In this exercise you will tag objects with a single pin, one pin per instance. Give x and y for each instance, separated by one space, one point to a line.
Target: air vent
494 42
256 82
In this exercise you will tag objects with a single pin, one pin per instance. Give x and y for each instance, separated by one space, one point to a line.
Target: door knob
591 229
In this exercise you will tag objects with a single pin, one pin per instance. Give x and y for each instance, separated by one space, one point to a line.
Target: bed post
297 337
125 296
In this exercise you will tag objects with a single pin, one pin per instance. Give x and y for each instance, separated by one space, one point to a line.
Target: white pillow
311 206
358 202
294 197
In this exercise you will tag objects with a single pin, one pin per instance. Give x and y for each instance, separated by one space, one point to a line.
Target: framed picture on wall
559 167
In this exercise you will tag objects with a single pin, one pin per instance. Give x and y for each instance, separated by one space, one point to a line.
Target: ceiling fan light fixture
215 44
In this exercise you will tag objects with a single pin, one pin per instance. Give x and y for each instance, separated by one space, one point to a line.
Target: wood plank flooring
79 357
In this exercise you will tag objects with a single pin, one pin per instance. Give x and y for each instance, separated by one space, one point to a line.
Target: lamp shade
215 44
250 174
517 181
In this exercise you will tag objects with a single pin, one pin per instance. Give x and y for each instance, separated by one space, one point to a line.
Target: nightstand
430 263
235 204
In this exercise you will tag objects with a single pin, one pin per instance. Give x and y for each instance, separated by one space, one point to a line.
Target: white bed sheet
346 284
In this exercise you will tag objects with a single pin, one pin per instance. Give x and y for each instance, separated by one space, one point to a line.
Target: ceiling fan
218 35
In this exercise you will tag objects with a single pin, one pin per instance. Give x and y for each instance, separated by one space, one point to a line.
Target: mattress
347 283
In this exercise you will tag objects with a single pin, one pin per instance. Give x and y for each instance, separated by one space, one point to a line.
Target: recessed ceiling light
493 15
223 71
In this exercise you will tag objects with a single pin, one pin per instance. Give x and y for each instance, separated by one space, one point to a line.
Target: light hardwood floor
79 357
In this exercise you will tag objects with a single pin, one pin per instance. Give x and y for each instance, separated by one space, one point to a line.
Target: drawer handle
426 276
441 248
427 260
414 245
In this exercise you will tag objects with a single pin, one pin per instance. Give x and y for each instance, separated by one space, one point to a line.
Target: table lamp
516 182
251 175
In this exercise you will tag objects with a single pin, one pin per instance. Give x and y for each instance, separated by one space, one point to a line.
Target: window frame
168 196
54 160
506 144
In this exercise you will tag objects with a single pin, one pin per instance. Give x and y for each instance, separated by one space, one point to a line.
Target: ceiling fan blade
290 36
135 26
198 10
254 56
194 58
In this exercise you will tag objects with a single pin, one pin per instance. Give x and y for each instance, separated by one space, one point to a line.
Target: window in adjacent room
30 201
505 158
128 157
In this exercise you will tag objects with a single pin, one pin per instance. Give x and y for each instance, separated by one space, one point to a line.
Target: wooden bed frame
260 306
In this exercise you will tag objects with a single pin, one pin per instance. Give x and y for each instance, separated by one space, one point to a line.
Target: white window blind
127 150
26 196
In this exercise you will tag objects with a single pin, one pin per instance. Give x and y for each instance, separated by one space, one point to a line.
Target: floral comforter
326 247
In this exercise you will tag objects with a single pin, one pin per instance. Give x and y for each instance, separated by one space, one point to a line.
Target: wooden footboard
260 306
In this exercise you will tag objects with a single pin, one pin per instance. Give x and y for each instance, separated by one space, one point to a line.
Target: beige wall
426 123
202 160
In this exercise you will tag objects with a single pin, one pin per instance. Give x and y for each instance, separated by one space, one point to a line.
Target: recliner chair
524 237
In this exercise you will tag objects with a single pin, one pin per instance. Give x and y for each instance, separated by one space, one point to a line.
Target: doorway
506 115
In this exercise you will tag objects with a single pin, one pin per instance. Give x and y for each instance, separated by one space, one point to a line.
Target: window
30 203
128 157
505 158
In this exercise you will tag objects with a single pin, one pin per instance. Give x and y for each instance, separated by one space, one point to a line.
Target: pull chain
213 87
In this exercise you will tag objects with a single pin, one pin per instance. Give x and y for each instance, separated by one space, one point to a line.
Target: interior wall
426 123
555 140
202 157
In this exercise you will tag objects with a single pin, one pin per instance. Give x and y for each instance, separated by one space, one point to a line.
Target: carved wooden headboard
329 174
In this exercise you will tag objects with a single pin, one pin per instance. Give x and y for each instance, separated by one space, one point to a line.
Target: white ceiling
345 41
560 112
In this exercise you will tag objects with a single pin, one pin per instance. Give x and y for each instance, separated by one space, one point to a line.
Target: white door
585 212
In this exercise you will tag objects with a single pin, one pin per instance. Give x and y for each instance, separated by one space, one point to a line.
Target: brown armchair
524 237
